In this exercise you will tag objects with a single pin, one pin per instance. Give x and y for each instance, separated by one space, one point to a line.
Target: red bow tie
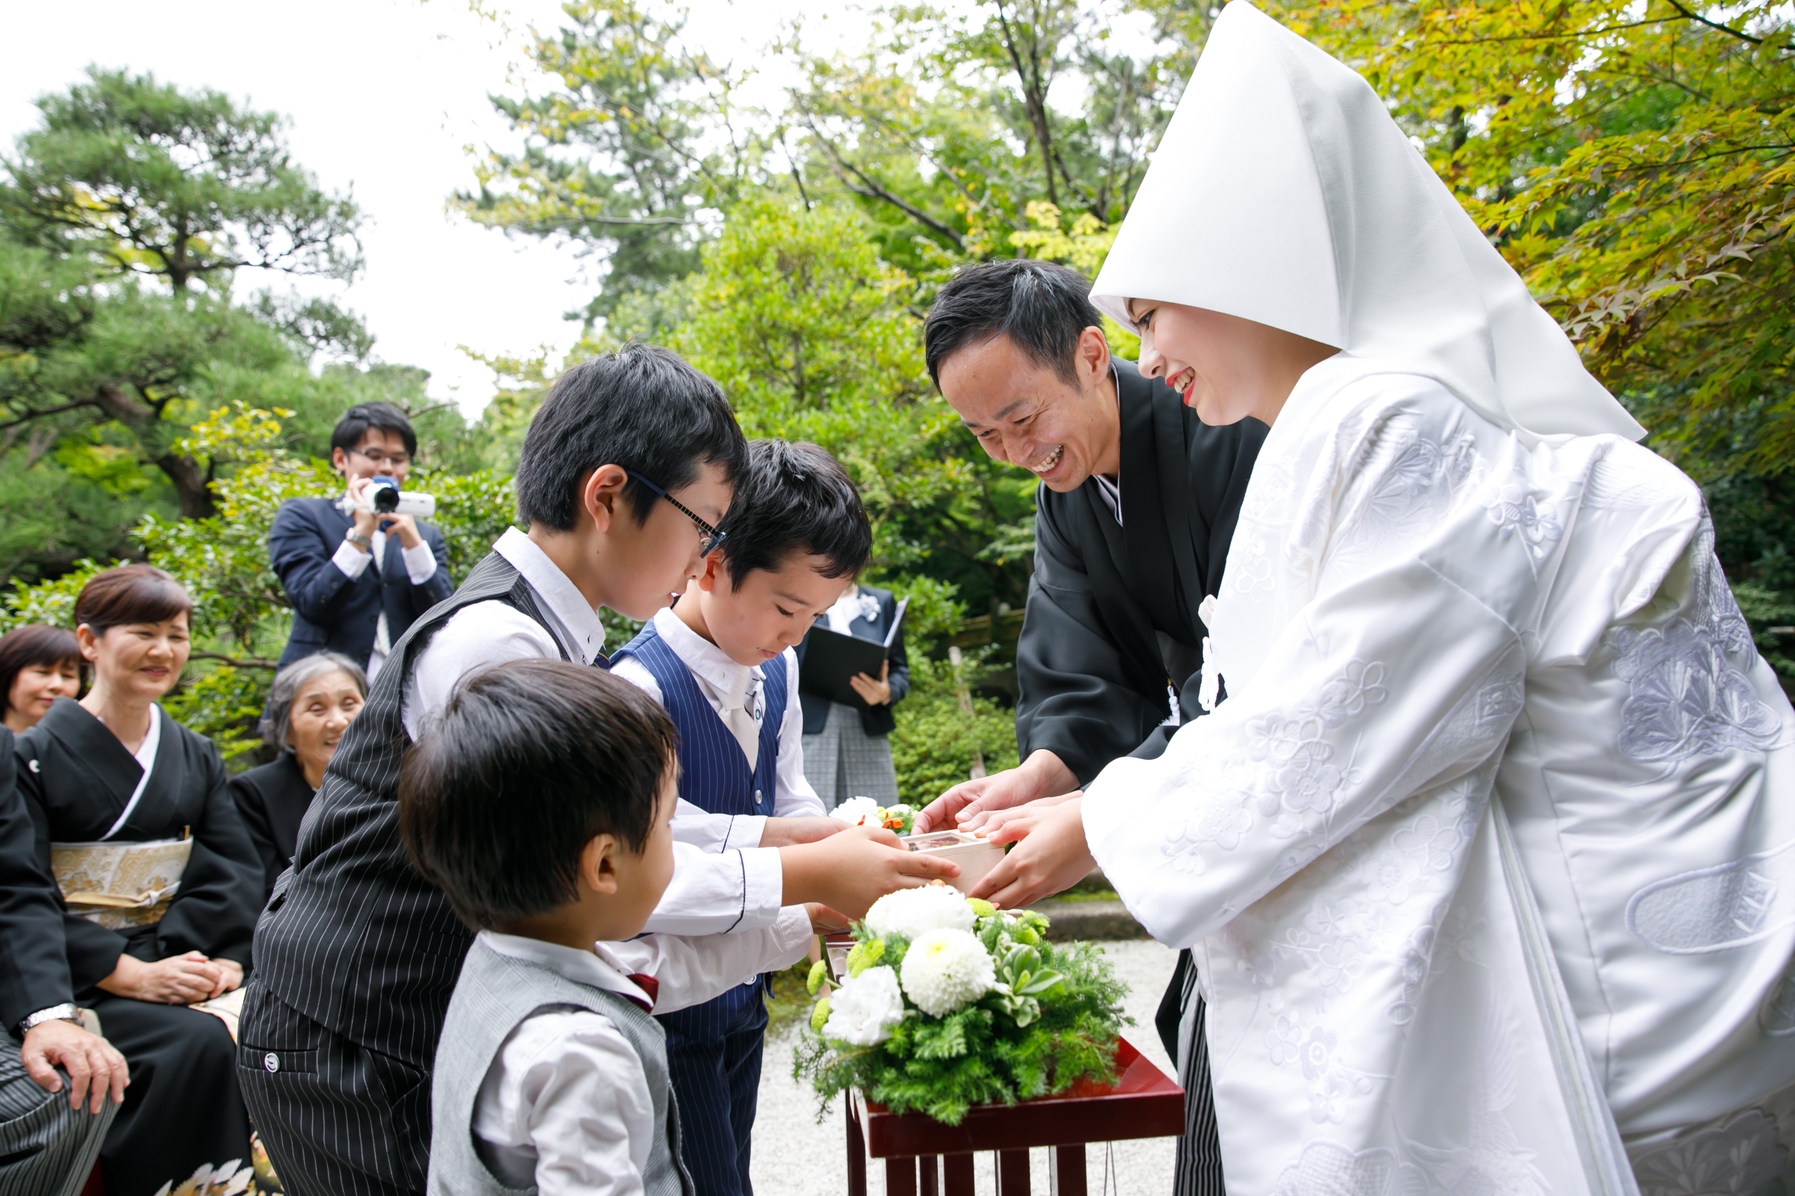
649 985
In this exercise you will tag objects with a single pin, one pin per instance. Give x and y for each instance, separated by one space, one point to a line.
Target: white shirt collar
565 602
597 968
707 661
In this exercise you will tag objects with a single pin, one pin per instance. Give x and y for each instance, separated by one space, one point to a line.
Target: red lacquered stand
923 1157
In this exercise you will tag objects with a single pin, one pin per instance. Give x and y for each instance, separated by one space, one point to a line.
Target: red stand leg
957 1169
1012 1173
928 1175
1066 1166
900 1176
856 1153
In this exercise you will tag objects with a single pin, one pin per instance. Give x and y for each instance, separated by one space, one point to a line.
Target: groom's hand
1053 858
965 806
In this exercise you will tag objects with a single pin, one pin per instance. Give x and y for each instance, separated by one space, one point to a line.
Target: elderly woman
38 664
1486 856
158 880
313 700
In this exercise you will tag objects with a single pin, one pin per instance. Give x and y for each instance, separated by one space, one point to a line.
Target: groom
1137 505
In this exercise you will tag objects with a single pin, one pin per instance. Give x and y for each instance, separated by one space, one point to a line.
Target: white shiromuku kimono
1487 860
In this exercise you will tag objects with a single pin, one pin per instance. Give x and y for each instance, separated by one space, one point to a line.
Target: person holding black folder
847 714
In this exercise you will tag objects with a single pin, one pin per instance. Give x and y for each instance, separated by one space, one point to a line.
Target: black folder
830 658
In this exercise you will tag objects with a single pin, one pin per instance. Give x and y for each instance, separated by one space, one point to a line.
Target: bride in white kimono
1487 855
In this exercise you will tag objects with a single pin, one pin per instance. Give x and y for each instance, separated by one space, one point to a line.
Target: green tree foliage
936 743
123 219
945 128
637 145
811 335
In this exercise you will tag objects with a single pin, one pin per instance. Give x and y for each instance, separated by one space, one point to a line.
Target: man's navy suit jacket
330 612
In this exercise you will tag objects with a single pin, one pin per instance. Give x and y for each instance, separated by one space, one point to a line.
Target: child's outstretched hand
851 870
824 920
783 832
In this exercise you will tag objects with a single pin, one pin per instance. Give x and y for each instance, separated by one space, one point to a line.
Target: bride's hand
1052 859
1014 824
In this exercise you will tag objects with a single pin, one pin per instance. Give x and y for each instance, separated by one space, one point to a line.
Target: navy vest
713 772
713 775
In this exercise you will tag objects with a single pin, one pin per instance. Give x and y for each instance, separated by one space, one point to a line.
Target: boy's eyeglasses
712 537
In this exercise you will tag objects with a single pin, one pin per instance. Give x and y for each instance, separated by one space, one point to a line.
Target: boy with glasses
357 953
356 579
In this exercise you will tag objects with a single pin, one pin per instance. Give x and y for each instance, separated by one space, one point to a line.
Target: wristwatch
65 1012
365 543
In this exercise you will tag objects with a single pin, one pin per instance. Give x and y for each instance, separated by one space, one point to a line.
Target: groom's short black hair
1041 306
642 408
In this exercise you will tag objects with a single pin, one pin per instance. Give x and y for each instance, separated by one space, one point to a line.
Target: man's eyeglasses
379 459
712 537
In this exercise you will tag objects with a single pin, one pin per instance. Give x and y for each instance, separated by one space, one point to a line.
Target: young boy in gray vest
556 847
721 662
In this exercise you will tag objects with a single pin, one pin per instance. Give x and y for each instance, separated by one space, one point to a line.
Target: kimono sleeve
220 897
1079 699
1393 682
91 950
34 966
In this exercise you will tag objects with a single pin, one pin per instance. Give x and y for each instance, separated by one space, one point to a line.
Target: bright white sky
383 97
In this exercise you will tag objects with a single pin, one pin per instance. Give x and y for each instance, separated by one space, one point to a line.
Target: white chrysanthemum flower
863 1011
857 811
911 913
945 969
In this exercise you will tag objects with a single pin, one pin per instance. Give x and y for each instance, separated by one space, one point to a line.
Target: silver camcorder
383 497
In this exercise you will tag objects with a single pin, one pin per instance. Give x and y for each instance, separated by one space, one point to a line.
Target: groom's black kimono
1112 608
1112 621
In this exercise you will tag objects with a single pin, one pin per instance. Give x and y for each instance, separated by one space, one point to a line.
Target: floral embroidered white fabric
1429 620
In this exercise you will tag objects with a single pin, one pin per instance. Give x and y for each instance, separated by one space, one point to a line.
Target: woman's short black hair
130 594
642 408
36 644
358 419
528 762
794 497
1041 306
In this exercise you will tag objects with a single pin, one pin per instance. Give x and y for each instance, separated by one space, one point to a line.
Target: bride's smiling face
1225 367
1188 347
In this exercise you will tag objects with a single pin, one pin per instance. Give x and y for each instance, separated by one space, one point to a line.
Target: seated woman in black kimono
111 771
312 702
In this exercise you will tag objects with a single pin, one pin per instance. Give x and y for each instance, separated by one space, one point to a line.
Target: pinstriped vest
714 775
353 937
494 995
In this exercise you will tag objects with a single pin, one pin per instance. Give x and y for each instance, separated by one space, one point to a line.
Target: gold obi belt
120 885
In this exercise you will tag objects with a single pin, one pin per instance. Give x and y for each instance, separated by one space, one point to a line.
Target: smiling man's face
1028 414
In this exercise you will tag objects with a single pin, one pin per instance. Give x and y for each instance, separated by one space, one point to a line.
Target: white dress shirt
715 888
420 567
717 675
565 1104
853 604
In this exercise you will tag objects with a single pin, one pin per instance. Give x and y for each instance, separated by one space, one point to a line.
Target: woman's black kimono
183 1107
273 800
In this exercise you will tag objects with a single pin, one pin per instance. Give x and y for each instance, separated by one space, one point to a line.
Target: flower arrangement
950 1002
864 811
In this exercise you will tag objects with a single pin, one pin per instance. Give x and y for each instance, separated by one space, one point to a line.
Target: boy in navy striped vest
721 662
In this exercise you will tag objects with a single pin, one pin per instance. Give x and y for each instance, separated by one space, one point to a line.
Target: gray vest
494 994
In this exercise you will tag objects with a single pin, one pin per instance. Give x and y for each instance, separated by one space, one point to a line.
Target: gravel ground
794 1155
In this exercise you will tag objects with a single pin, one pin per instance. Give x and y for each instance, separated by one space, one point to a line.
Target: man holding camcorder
358 569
